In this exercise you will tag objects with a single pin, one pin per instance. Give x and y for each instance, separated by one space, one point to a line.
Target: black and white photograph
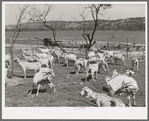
74 60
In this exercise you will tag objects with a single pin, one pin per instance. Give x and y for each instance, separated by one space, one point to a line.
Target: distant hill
129 24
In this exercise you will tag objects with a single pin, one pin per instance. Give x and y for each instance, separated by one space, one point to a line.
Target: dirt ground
68 87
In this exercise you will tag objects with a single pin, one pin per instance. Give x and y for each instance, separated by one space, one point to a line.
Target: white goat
125 83
44 51
44 76
104 64
80 63
29 58
93 69
58 54
115 73
27 52
118 56
69 57
51 60
91 54
44 62
28 66
41 56
101 99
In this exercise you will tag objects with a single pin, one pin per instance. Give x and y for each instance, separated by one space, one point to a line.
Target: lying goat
102 100
33 66
44 76
124 83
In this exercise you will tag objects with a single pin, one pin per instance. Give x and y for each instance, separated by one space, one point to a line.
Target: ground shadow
84 101
34 91
88 78
73 72
21 76
105 88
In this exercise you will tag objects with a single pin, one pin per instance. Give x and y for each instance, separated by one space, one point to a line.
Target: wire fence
72 46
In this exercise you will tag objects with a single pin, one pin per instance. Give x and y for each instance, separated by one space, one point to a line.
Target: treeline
129 24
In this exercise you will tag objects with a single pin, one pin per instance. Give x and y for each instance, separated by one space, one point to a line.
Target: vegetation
129 24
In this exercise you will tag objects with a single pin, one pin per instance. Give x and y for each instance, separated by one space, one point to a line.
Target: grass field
68 87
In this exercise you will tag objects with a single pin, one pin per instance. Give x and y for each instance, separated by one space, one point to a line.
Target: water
103 36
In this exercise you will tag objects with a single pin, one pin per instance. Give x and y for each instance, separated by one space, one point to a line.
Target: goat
91 54
44 51
103 62
69 56
129 73
102 100
80 63
115 73
119 56
58 54
44 61
93 69
44 76
28 66
29 58
41 56
135 62
51 60
125 83
100 57
27 52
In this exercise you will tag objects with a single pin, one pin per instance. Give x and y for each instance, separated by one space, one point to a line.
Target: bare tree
41 16
22 17
96 11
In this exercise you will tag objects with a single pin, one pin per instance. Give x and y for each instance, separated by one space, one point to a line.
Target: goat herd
42 61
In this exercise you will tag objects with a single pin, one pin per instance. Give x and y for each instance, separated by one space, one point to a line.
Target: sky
68 11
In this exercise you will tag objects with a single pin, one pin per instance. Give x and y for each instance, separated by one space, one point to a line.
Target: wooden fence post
127 46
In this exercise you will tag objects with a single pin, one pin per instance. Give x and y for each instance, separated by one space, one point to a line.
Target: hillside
129 24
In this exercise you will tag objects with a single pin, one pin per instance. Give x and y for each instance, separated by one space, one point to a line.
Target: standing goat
125 83
80 63
93 69
69 57
34 66
44 76
135 62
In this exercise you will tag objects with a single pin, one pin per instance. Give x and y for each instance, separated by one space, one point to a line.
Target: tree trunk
11 63
86 52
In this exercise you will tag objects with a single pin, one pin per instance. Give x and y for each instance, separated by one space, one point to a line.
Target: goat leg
38 89
124 62
86 76
133 97
93 76
24 74
129 101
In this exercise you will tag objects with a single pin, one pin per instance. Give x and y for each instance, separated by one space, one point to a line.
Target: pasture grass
68 87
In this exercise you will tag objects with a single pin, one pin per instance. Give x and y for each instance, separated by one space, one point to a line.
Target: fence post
72 46
127 46
142 50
